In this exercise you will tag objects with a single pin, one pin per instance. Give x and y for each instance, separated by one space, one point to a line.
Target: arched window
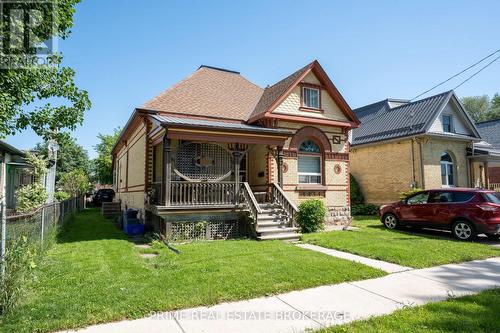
447 170
309 163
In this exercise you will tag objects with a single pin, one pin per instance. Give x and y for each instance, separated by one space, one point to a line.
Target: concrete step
287 236
275 230
267 223
271 217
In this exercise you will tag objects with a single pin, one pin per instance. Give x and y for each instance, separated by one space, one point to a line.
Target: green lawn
94 274
478 313
405 248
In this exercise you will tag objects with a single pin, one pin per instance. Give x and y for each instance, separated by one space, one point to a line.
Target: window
447 170
418 199
492 197
441 197
447 124
309 163
311 97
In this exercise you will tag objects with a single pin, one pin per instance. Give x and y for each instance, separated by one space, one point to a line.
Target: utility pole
50 182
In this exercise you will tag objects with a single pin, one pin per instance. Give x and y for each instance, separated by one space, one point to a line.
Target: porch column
166 172
486 176
279 161
237 155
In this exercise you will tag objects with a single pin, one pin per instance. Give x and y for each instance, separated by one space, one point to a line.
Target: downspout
421 164
414 180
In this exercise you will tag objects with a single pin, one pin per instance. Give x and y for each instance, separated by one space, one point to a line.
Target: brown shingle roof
272 93
209 92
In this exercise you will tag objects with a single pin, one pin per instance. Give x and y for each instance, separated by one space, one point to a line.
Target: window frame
451 127
448 166
320 174
318 155
303 105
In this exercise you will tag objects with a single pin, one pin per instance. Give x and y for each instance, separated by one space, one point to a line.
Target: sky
126 52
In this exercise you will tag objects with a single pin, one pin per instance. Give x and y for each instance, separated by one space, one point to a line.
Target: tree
30 197
104 162
71 156
477 106
75 182
26 92
481 108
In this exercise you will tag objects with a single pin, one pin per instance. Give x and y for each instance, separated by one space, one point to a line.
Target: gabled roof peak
218 69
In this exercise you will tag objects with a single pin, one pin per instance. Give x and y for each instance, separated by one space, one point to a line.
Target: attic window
311 97
447 124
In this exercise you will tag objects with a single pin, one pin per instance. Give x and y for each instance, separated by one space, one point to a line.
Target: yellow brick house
215 147
425 144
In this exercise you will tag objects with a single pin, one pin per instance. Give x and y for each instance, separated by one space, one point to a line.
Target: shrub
357 197
311 215
61 196
364 209
405 194
30 197
20 261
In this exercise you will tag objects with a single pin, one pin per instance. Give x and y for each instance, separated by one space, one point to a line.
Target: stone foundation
338 216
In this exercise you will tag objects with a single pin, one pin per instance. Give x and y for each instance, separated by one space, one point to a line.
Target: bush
357 197
311 215
405 194
20 262
61 196
364 209
30 197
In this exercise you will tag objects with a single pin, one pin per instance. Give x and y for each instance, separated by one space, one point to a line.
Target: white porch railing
202 194
495 186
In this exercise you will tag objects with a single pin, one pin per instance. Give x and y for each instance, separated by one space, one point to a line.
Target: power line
479 71
461 72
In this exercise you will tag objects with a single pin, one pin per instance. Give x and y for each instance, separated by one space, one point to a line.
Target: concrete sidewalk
383 265
322 306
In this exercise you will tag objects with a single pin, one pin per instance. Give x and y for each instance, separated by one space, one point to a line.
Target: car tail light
488 208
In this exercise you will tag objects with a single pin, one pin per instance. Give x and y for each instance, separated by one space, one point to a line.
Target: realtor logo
27 35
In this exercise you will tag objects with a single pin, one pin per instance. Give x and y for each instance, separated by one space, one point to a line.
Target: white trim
304 98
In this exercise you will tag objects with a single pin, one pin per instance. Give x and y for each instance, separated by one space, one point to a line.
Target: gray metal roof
5 147
380 122
490 132
191 122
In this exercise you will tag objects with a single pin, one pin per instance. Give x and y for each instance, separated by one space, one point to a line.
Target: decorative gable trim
327 84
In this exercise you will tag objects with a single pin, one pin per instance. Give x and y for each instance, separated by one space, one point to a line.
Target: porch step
275 230
287 236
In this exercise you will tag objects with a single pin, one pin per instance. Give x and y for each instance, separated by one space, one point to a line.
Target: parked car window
418 199
492 197
441 197
462 196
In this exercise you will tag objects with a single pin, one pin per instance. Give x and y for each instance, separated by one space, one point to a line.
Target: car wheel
463 230
390 221
493 237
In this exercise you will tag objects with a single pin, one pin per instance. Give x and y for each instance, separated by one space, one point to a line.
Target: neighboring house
13 173
402 145
215 144
488 153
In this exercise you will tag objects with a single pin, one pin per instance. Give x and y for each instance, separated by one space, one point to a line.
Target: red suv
466 212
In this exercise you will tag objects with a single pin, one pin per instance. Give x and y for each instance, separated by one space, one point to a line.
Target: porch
485 168
209 172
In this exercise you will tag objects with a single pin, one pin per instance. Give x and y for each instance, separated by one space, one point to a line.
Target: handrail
280 197
250 201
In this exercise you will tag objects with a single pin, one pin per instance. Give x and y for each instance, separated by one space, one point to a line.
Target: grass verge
405 248
477 313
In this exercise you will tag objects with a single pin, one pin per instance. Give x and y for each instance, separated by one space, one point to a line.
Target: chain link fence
24 239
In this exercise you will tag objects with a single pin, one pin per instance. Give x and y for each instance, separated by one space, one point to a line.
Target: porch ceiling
218 131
